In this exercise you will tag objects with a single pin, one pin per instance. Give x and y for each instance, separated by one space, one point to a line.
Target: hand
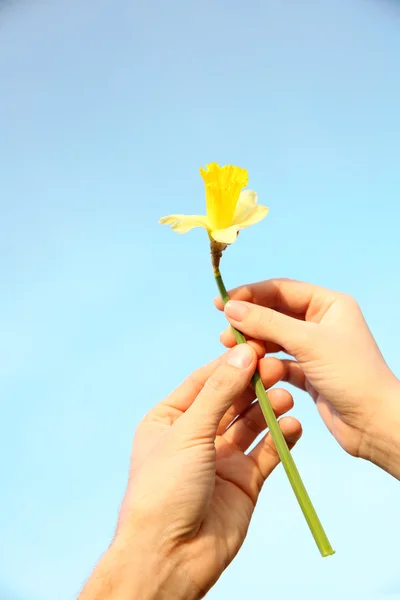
192 488
336 360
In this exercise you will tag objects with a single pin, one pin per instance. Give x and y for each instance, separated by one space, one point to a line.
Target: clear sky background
107 110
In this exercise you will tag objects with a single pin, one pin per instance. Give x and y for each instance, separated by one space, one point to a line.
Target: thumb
270 326
222 388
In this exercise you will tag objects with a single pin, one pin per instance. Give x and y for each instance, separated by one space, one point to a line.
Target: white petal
225 236
184 223
229 235
246 204
254 217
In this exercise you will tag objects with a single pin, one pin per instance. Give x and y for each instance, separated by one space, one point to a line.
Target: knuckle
195 380
265 318
350 301
268 449
308 338
252 425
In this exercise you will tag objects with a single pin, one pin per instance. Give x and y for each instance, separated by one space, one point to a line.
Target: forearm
112 579
126 572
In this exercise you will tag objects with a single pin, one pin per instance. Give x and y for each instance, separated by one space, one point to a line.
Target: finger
162 416
248 426
228 339
225 385
290 297
271 372
265 455
183 396
270 326
294 374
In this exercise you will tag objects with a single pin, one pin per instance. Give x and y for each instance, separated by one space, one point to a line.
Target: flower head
229 207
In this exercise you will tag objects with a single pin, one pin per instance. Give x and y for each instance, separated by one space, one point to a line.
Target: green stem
280 443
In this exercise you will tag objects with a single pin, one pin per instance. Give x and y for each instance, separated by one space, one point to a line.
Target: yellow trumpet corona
229 207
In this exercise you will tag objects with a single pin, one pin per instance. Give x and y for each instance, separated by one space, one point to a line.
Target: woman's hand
336 360
193 484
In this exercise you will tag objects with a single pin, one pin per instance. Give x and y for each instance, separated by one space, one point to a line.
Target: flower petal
229 234
258 214
245 206
184 223
225 236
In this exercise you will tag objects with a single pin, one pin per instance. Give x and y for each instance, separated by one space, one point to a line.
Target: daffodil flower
229 207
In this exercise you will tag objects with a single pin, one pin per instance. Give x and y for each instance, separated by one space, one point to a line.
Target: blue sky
107 110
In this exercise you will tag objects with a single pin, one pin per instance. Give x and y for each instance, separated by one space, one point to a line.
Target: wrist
130 571
381 444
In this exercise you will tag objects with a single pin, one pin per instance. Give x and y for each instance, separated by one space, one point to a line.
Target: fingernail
240 356
236 310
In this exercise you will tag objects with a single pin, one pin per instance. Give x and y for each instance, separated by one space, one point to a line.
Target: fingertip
282 399
218 303
291 429
237 310
258 346
227 338
268 364
242 356
271 371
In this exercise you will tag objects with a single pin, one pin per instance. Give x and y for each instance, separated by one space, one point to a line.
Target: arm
131 571
193 485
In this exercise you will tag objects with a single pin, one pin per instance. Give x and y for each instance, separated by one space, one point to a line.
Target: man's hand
193 484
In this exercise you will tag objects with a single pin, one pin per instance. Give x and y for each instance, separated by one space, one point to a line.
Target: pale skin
194 484
193 487
335 359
